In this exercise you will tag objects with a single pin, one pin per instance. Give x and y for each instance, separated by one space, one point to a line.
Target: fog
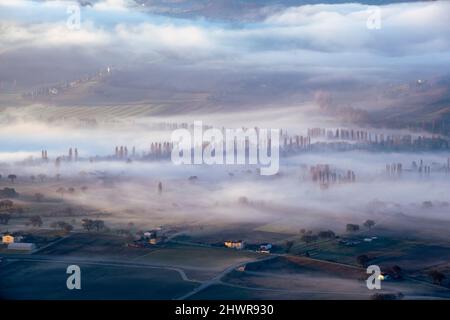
285 202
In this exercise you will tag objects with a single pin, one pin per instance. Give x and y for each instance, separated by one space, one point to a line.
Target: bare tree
369 224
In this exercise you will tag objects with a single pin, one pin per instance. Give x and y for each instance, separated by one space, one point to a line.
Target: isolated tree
396 272
362 260
84 188
39 197
4 218
36 221
71 190
397 269
436 276
61 191
32 178
68 227
65 226
369 224
243 200
12 177
160 187
42 177
289 245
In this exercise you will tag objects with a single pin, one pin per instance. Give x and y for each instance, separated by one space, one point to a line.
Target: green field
35 280
197 256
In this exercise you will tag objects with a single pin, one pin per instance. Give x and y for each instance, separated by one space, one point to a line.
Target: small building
150 234
7 239
239 244
265 247
241 268
23 246
384 276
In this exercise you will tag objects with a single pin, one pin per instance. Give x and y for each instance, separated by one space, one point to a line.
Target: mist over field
92 92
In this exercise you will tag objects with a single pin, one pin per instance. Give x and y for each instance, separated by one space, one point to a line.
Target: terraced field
97 112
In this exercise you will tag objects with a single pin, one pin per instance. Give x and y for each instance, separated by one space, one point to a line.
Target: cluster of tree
89 224
369 224
8 193
36 221
243 200
38 197
352 227
6 204
309 238
387 296
62 225
41 177
4 218
355 227
70 190
326 234
123 232
437 276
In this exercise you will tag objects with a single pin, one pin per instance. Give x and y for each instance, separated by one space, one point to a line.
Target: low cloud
296 34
